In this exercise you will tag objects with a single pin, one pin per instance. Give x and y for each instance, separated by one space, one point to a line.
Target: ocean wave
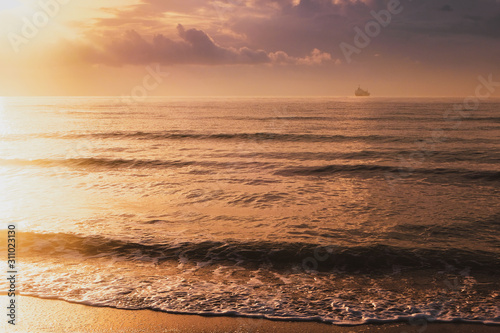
278 255
393 172
96 162
259 136
437 155
390 172
488 119
250 320
109 163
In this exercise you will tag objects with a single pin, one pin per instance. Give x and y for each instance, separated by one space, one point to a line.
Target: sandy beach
43 315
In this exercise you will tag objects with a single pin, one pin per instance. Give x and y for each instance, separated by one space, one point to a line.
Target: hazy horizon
493 97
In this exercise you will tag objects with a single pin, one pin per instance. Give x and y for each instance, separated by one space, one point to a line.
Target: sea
337 210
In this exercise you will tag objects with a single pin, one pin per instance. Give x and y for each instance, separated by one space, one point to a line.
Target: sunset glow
252 47
250 166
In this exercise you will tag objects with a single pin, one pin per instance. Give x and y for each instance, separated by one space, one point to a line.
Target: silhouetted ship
361 92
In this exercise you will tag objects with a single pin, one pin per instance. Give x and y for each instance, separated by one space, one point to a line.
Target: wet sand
43 315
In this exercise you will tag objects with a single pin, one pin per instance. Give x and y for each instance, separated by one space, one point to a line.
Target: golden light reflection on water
8 205
33 195
4 126
41 201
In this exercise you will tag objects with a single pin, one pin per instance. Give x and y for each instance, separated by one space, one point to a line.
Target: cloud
194 47
283 32
315 58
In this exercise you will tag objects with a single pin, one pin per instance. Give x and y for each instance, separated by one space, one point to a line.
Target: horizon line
237 96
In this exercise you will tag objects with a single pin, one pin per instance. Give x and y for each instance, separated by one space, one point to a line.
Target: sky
248 47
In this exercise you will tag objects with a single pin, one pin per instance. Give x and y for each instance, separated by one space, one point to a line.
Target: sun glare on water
3 119
6 204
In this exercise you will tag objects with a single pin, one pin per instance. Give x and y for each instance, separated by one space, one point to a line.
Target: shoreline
50 315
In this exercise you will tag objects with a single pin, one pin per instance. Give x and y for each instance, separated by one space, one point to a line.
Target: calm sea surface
338 210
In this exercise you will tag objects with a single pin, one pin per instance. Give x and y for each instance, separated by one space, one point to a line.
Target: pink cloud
315 58
194 46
